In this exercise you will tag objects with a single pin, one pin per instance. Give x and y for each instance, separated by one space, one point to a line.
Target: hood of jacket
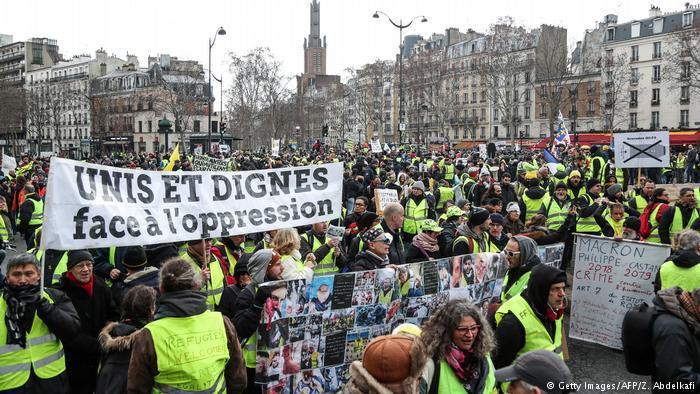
667 301
528 256
541 279
182 303
685 258
147 275
117 337
535 192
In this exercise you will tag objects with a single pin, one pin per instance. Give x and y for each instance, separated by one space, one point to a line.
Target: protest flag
174 156
562 135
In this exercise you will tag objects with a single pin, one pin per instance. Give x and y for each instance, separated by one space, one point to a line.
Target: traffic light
325 131
222 128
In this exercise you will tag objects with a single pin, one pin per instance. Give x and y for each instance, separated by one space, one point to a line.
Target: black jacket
510 334
246 313
25 213
321 252
62 320
229 297
508 195
149 276
367 260
116 340
416 255
676 345
83 350
396 250
447 236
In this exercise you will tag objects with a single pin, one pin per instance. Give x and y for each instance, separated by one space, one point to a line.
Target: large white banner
90 206
610 278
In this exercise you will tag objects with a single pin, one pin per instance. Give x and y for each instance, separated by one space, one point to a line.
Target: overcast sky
182 28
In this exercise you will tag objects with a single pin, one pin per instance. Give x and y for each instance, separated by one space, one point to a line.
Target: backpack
637 344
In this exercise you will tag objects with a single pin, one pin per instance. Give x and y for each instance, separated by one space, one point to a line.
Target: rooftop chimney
654 11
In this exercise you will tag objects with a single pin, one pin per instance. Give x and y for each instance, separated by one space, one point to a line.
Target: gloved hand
262 294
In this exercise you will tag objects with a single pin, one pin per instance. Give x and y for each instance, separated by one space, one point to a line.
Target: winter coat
676 340
447 237
25 214
83 350
62 320
367 260
513 228
508 195
149 276
143 365
415 255
116 340
510 333
396 250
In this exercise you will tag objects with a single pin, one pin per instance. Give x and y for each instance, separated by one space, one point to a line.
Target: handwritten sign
206 163
610 278
376 147
335 232
382 197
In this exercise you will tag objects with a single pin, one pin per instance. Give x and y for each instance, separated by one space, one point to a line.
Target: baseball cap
454 211
540 368
430 225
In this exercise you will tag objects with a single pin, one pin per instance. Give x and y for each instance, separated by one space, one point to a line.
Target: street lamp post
400 26
420 119
221 106
219 32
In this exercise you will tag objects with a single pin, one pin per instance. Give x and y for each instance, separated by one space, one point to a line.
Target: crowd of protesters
103 320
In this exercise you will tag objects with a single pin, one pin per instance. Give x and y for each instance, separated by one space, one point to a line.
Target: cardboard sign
610 278
382 197
335 232
376 147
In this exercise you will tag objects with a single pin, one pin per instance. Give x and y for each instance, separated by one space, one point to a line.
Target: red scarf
553 315
85 286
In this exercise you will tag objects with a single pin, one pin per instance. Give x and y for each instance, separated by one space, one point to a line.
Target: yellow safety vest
533 205
37 213
450 384
517 288
215 287
556 214
672 275
43 353
415 215
587 224
4 232
617 226
191 352
450 172
446 194
490 247
601 174
654 235
640 202
677 224
536 335
327 264
61 267
697 194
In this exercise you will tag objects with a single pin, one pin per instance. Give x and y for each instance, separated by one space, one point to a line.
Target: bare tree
616 99
183 96
682 61
36 115
275 95
506 69
12 108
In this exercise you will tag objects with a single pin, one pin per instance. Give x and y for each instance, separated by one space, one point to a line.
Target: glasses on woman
471 329
510 253
384 240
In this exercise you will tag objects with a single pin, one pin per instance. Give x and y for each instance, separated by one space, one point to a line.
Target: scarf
85 286
681 304
464 365
199 259
553 315
425 242
17 299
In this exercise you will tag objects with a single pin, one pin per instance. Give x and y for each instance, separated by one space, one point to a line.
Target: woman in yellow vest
533 319
521 255
614 221
32 359
459 340
187 347
287 243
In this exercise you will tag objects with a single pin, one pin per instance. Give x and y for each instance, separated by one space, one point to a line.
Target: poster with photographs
551 255
310 331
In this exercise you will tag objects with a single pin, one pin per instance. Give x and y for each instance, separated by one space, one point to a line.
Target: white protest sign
610 278
382 197
461 160
275 147
642 149
8 164
376 147
482 151
386 147
206 163
335 232
94 206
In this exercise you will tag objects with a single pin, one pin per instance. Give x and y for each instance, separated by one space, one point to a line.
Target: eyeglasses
383 240
471 329
510 253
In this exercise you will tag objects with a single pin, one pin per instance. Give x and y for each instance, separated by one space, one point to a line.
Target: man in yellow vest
449 171
264 266
557 209
597 164
522 257
533 198
209 267
641 200
325 250
187 348
229 249
683 268
33 327
532 320
473 236
417 209
443 194
588 207
31 215
679 217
